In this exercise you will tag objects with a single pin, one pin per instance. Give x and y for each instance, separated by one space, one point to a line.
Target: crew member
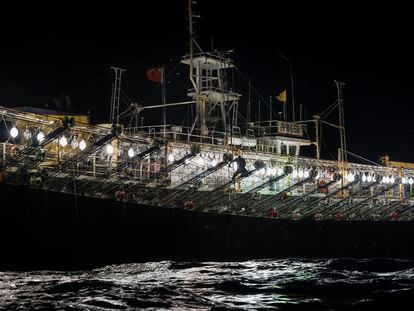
241 168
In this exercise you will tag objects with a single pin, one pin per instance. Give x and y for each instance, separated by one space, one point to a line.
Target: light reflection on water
292 284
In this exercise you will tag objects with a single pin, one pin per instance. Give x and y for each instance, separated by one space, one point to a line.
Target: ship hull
51 230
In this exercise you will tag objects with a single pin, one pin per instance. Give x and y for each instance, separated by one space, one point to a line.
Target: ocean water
291 284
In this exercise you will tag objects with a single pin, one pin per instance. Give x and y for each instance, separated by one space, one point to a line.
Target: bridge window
283 149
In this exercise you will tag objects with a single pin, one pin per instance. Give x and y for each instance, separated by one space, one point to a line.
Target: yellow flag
282 97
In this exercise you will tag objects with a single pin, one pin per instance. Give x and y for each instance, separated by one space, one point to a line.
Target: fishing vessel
225 188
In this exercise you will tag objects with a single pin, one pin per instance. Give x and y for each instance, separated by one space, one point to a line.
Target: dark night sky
67 49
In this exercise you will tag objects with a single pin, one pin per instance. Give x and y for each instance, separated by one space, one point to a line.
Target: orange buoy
2 176
320 184
120 195
395 215
296 216
318 216
13 150
339 216
272 213
189 204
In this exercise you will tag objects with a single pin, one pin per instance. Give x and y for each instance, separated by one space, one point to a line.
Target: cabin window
283 149
292 150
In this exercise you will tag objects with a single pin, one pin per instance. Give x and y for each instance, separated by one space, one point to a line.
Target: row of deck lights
63 141
408 181
297 173
109 149
14 132
301 173
384 179
275 171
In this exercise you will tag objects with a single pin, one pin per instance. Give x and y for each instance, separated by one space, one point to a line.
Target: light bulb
63 141
109 149
131 152
40 136
74 143
14 132
82 145
27 134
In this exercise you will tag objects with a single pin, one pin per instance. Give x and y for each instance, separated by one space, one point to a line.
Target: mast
342 152
116 95
259 120
190 20
216 105
248 103
270 110
200 101
317 120
164 99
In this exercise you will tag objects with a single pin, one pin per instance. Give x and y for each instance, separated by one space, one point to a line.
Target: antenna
291 84
248 104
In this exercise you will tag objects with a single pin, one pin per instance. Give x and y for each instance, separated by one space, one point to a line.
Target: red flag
155 74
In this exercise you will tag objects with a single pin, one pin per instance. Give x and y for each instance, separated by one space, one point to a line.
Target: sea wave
289 284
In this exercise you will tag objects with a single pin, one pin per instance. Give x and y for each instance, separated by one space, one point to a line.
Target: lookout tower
216 105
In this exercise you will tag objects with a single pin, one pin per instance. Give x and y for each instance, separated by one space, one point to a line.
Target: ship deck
172 165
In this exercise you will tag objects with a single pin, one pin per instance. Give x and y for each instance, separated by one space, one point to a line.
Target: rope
252 87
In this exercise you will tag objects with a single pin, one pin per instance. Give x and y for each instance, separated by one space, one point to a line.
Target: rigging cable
362 158
266 102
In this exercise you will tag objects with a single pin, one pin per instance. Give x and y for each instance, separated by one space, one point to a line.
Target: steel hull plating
51 230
